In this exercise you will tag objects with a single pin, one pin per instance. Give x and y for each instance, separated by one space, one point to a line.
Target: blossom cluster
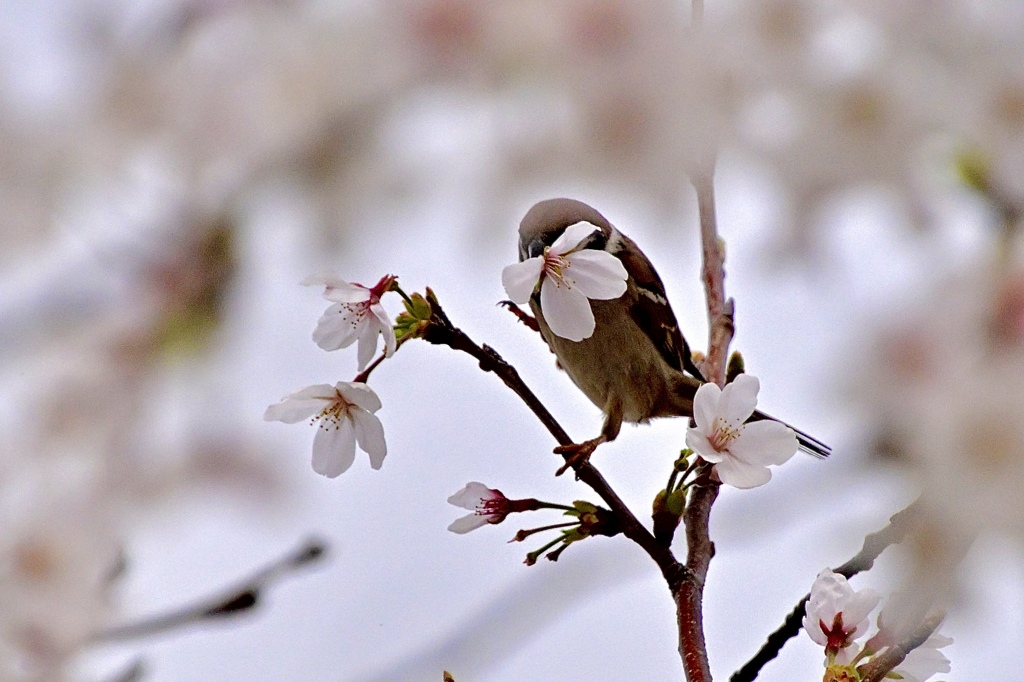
345 411
837 616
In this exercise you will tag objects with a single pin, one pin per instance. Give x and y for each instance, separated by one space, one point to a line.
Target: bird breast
616 365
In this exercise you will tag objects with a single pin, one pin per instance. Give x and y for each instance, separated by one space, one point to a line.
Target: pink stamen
722 436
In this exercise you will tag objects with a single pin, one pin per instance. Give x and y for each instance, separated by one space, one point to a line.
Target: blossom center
837 636
555 265
492 507
723 435
355 312
331 416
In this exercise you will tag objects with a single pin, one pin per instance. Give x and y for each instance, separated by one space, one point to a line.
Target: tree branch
228 603
441 331
880 666
875 543
689 596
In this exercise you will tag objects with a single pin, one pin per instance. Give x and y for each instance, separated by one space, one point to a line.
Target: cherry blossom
486 504
837 614
740 451
356 315
345 412
568 276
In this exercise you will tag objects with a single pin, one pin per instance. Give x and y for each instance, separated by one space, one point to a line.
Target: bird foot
527 319
577 454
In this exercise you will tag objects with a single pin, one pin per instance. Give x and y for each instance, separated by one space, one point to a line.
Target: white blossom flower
741 451
356 314
837 614
486 504
925 661
568 276
345 412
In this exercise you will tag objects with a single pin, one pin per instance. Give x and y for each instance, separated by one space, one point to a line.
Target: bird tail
809 444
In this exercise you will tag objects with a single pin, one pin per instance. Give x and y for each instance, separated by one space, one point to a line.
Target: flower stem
523 534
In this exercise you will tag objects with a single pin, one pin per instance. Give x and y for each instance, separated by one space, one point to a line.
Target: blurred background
170 170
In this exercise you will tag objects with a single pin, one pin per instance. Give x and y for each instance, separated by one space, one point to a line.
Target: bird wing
651 310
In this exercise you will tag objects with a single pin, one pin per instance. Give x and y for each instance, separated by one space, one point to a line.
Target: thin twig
227 603
874 544
441 331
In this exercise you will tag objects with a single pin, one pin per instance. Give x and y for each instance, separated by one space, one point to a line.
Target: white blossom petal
739 398
367 349
334 448
325 280
847 654
598 274
466 523
740 474
369 435
471 495
359 394
301 405
339 326
858 608
341 291
567 311
572 237
387 330
705 406
765 442
520 279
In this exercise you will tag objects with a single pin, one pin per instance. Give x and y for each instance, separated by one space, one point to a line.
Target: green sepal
414 321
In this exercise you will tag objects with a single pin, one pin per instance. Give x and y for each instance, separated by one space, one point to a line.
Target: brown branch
878 667
720 311
874 544
441 331
689 594
229 603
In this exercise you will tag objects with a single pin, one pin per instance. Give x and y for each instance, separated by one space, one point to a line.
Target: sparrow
636 365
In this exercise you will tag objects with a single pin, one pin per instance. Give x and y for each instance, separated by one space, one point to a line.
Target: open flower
345 412
568 276
486 504
741 451
356 314
837 614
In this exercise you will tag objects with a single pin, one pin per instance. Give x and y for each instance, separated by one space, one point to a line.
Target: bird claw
577 454
527 319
